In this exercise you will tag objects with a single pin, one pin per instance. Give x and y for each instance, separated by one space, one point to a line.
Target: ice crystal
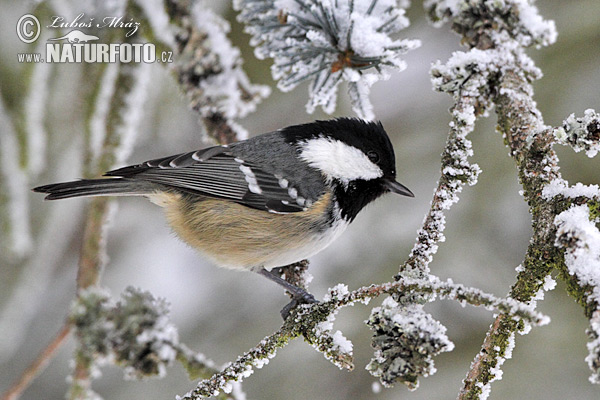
561 187
230 90
580 238
456 171
209 69
334 346
329 41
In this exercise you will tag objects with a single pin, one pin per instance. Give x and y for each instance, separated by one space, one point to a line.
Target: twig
40 363
304 319
497 34
456 172
520 122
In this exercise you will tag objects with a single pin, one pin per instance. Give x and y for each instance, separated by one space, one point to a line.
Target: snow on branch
456 172
497 72
134 333
14 206
593 346
315 323
578 234
406 339
479 21
581 133
327 42
207 66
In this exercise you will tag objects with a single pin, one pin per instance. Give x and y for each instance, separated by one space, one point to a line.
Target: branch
456 172
40 363
314 322
206 66
327 43
497 34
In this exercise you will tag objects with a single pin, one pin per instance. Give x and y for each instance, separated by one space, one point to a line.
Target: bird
265 202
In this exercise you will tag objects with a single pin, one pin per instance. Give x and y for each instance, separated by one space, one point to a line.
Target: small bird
265 202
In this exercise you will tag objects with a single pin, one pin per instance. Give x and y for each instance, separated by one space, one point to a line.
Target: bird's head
354 156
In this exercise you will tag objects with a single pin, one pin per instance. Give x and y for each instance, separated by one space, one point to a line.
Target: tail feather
95 187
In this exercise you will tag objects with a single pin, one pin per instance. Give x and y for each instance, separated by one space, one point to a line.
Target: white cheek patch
339 160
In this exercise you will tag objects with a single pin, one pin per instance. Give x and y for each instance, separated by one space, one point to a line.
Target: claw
299 295
306 298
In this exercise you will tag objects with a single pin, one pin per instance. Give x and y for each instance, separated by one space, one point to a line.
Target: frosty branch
328 42
498 33
207 67
315 324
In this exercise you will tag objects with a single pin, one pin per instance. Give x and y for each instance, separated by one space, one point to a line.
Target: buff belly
239 237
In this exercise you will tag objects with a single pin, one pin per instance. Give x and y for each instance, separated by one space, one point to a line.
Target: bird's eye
373 156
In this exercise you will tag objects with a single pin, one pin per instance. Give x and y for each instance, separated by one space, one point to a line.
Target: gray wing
216 172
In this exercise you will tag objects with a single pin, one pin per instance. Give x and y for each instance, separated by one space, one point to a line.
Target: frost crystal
209 68
334 346
134 333
329 41
581 240
593 358
581 133
133 111
405 339
474 19
561 187
456 171
230 90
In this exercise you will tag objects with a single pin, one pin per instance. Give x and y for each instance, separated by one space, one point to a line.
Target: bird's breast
239 237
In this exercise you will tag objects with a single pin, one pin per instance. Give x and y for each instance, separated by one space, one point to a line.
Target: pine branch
329 41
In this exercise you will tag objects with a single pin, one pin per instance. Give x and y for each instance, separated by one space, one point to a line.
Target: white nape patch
250 179
337 160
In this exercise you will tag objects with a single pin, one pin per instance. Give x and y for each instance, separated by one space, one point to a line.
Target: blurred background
223 313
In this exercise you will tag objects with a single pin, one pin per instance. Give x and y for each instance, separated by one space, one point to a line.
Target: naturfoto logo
78 46
76 36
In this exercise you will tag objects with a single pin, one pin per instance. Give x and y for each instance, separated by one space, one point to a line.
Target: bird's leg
297 292
299 295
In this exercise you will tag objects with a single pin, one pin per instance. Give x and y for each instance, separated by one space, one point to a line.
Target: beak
398 188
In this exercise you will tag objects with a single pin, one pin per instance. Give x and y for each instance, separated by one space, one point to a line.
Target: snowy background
223 313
